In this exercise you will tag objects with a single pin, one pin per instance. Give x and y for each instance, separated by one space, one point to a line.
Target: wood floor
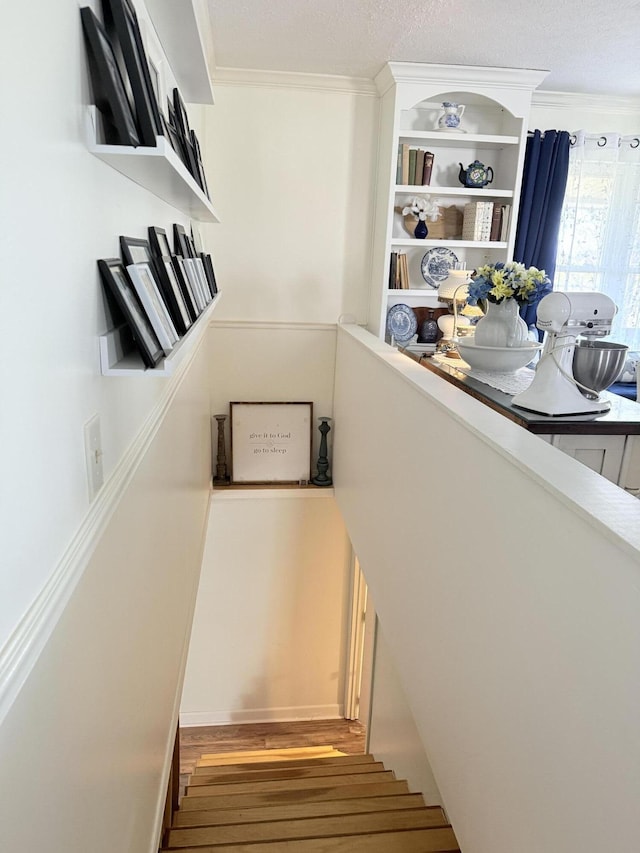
346 735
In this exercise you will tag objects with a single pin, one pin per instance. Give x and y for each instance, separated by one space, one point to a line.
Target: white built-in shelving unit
497 103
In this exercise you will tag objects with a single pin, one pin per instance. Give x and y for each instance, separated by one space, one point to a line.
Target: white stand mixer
564 316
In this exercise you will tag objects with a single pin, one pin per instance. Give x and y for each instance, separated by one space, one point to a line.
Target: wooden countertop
623 418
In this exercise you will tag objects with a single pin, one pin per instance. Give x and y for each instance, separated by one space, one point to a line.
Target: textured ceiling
587 45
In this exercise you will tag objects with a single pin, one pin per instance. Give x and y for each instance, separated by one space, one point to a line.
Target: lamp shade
454 286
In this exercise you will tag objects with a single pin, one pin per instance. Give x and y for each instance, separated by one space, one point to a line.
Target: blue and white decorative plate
401 322
436 264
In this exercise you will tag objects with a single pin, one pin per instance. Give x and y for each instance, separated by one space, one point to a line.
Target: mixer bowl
597 364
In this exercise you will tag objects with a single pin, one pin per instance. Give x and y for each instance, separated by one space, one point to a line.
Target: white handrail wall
506 577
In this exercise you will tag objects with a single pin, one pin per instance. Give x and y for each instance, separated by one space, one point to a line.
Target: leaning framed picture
170 288
149 294
135 250
109 92
117 282
271 442
121 24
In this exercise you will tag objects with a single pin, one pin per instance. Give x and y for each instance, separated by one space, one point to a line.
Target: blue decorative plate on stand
436 264
401 322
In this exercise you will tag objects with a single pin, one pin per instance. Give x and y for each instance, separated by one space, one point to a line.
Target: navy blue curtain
544 180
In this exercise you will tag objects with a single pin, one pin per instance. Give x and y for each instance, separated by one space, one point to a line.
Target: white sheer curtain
599 241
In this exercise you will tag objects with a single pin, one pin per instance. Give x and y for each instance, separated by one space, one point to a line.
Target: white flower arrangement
423 209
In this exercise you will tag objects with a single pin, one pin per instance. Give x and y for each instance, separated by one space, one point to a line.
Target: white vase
501 326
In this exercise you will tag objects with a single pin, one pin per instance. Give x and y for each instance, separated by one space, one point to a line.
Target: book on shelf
496 222
414 166
505 223
428 168
478 217
398 271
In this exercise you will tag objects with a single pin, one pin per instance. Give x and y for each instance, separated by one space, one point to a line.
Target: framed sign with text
271 442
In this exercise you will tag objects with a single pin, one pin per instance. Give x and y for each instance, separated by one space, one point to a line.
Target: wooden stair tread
370 788
437 840
356 805
273 773
317 827
274 785
270 754
326 761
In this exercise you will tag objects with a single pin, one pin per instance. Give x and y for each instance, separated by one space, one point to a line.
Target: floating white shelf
459 140
117 358
177 26
461 244
158 170
487 193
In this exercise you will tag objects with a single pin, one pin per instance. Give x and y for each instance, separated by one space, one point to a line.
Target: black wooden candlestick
221 477
323 477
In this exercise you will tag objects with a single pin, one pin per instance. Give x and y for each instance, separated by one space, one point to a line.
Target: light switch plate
93 455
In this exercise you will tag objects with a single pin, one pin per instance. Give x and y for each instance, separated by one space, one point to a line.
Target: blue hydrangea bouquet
511 280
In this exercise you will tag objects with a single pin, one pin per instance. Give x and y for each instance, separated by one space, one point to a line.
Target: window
599 240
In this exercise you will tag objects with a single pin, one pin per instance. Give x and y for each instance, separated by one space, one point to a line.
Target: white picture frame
202 276
194 281
147 289
271 443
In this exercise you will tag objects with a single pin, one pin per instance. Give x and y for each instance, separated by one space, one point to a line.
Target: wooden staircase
309 800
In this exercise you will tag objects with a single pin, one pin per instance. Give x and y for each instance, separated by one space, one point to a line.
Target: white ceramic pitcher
450 118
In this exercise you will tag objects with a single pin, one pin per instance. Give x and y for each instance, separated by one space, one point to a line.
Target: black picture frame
135 250
121 23
116 281
201 177
185 286
159 242
181 241
109 92
171 293
208 269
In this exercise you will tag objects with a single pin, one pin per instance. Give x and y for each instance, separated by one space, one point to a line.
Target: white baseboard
261 715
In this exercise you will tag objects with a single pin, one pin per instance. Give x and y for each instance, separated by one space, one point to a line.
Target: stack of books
486 221
414 166
398 272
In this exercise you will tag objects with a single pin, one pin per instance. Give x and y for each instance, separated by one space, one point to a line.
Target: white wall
269 635
270 629
86 743
577 111
61 209
392 734
95 599
508 594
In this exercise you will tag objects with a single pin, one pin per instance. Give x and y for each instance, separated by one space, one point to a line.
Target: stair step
356 805
328 761
275 785
437 840
269 754
370 788
315 771
321 827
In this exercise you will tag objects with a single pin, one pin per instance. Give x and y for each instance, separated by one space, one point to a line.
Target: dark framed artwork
201 178
159 242
121 23
148 291
208 269
181 244
172 294
195 283
185 286
109 92
271 442
117 283
135 250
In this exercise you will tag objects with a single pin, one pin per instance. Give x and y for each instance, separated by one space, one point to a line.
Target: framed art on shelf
121 23
271 442
193 277
172 293
116 281
159 242
157 312
185 286
135 251
109 92
211 276
181 242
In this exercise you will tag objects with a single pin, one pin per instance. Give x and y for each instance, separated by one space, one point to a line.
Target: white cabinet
602 453
497 103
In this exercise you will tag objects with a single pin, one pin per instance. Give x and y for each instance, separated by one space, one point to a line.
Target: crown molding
602 104
294 80
458 76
